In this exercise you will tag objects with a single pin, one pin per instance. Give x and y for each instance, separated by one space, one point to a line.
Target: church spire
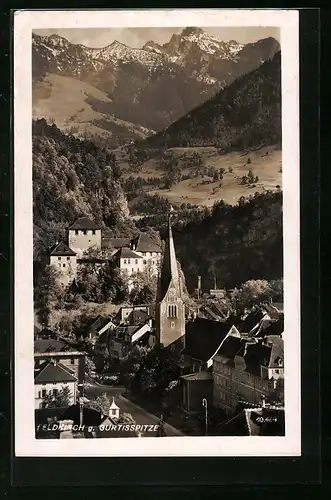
169 270
170 308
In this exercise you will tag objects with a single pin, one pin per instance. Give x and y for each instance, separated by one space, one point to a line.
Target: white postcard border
25 442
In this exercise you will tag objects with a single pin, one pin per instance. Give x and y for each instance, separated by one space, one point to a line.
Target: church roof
83 223
169 270
62 249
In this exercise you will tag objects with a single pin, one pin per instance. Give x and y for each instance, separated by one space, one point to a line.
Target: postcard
157 253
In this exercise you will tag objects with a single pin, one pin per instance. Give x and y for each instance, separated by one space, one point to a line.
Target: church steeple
170 310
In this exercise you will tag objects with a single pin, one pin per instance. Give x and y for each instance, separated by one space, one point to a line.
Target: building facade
64 260
84 234
50 379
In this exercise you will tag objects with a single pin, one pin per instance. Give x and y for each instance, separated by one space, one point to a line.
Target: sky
137 37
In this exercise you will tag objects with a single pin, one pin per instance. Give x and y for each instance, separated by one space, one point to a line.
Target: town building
195 387
64 259
87 246
135 315
99 326
123 338
203 339
247 371
170 307
50 378
84 234
60 351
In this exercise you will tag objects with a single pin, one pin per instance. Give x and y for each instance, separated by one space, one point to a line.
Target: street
141 416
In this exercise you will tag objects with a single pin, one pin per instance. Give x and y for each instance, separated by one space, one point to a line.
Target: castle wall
66 266
80 240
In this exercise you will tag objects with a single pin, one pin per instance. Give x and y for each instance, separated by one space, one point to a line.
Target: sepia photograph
157 233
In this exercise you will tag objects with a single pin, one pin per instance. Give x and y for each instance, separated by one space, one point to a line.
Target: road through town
141 416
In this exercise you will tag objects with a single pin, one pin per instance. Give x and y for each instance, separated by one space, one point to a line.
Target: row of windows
172 311
43 393
59 258
147 254
224 396
85 231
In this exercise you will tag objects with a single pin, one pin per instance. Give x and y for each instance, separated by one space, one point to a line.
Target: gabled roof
51 345
121 331
231 347
83 223
203 337
250 321
53 372
144 243
100 322
126 253
205 375
273 327
62 249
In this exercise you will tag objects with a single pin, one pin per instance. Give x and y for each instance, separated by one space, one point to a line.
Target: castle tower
170 308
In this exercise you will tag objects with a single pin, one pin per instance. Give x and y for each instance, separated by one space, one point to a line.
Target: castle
131 256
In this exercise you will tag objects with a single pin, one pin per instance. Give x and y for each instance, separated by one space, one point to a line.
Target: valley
266 164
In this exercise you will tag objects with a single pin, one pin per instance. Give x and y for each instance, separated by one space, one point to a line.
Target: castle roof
54 372
62 249
144 243
115 242
169 270
126 253
83 223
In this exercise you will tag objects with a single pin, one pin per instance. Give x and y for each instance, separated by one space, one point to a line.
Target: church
170 307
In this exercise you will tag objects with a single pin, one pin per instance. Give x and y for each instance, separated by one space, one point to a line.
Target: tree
251 293
46 290
59 399
250 177
101 403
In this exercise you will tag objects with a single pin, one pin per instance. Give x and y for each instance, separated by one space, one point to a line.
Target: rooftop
53 372
145 243
83 223
115 242
51 345
62 249
203 337
126 253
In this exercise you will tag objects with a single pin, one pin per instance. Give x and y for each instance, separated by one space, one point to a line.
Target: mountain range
245 114
122 93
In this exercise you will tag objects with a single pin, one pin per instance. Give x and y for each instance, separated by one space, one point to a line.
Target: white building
149 250
128 261
64 260
51 378
84 234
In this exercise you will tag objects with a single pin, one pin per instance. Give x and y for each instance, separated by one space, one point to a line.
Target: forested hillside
245 114
71 178
232 243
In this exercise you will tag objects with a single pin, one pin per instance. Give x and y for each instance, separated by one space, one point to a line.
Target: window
59 258
39 394
85 231
43 393
144 254
153 262
172 311
64 265
55 392
76 231
276 371
68 258
124 261
132 270
72 361
129 261
93 231
136 261
145 262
